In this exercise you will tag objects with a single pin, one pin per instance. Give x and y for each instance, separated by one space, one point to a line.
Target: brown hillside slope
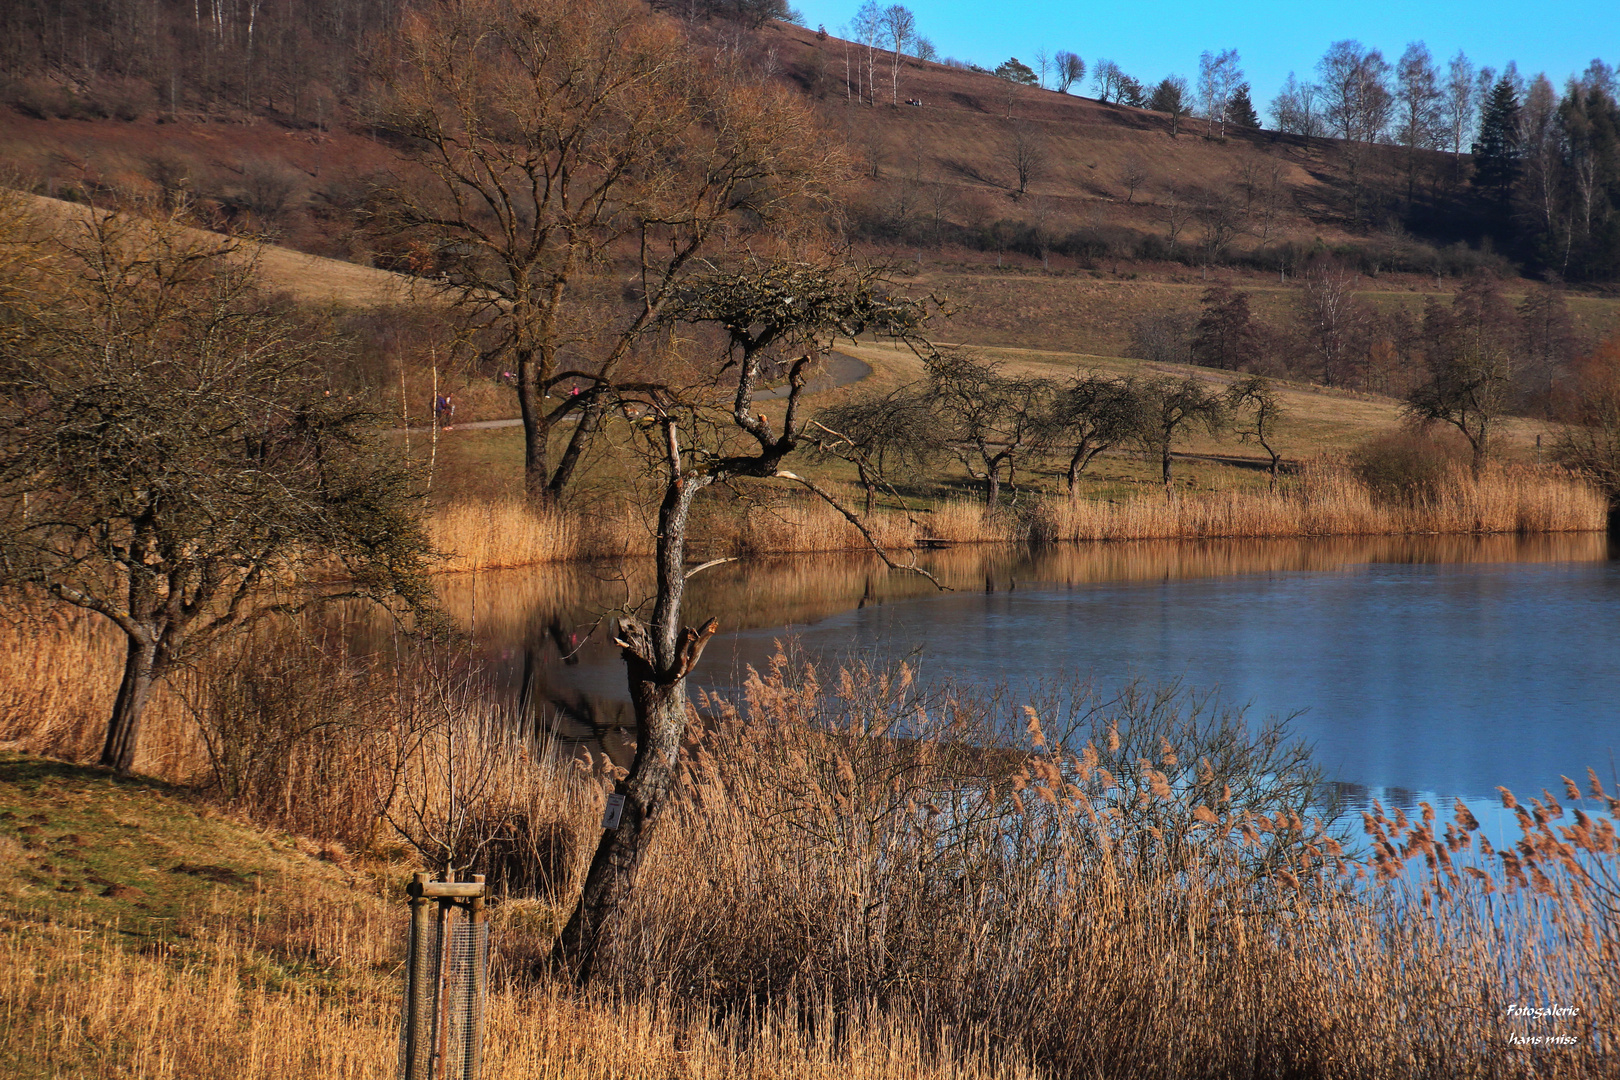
961 136
306 278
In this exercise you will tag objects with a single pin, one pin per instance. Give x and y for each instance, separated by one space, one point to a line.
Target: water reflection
1444 665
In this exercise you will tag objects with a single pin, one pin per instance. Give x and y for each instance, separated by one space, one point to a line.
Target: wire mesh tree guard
446 980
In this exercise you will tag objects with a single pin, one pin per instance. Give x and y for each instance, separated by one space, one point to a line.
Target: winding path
839 370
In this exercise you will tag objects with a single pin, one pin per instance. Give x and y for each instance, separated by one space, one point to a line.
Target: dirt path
839 371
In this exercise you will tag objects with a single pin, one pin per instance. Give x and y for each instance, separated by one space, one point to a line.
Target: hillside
1104 183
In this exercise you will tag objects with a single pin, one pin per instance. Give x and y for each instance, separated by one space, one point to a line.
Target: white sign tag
613 811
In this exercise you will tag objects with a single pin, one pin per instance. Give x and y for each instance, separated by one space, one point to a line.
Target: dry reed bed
1326 501
850 884
1330 502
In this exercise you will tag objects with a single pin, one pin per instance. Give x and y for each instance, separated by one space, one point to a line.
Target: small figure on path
444 410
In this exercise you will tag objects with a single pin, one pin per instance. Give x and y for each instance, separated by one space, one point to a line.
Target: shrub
1406 467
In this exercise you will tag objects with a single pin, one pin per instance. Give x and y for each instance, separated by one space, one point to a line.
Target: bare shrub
1406 467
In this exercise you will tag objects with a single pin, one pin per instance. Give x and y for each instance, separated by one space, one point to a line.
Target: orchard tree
1255 410
1173 409
880 433
573 151
171 461
989 419
1093 413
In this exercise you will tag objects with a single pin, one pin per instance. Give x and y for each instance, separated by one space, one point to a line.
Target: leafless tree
696 433
1457 109
560 137
1176 208
1133 173
1219 75
1173 408
883 433
1357 105
1589 441
1417 99
899 29
1256 397
1070 70
1092 413
1026 153
1333 320
989 418
1106 78
1470 357
169 461
1296 109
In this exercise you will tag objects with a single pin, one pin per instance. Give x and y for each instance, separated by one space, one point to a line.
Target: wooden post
417 1009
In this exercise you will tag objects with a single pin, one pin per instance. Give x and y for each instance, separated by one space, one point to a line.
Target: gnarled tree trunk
659 698
134 691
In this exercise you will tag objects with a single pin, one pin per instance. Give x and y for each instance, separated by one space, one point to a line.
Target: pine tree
1497 153
1240 110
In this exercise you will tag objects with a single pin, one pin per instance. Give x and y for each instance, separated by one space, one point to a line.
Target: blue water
1437 680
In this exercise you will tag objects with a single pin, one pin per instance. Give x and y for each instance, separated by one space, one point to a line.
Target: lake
1418 668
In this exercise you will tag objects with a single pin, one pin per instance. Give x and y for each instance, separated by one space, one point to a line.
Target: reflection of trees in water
544 634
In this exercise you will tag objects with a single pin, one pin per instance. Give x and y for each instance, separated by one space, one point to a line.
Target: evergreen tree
1498 151
1240 110
1015 70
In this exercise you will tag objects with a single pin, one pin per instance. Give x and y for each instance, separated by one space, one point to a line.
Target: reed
1329 501
852 883
858 877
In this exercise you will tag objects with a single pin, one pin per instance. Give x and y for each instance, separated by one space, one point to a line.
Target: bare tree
1258 398
1176 207
1295 109
1333 320
1133 173
169 461
1417 98
1357 105
881 433
1457 109
559 138
695 435
1173 408
1070 70
899 29
1043 65
1219 75
990 418
1026 153
1106 78
1470 361
1093 413
1589 441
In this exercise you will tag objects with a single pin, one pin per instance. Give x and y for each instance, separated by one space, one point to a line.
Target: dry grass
851 885
1327 501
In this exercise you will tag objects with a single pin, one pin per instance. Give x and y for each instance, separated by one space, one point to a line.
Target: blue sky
1151 40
